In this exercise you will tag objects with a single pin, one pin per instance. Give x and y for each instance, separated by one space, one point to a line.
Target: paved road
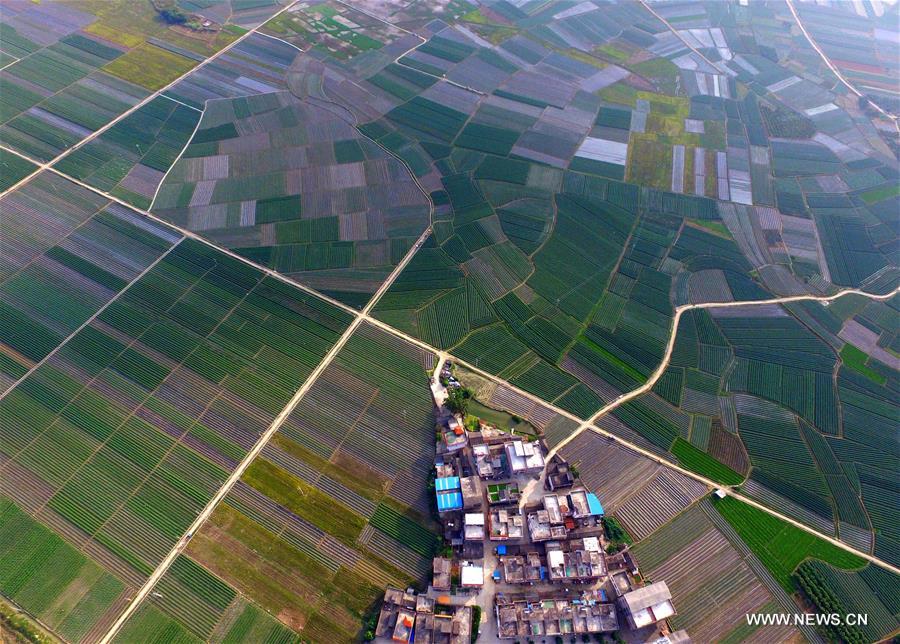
99 311
364 316
584 425
139 105
833 68
675 31
670 345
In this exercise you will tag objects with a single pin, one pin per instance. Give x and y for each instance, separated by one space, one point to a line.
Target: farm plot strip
585 425
670 345
832 67
398 59
178 156
198 238
120 438
66 253
336 500
147 99
251 455
88 321
675 31
223 491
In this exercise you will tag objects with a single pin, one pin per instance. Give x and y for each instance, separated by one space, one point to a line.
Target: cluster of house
559 579
417 618
540 551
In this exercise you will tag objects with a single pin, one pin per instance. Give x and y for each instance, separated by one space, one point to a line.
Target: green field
880 193
13 169
856 359
49 578
138 366
705 465
780 546
313 534
149 66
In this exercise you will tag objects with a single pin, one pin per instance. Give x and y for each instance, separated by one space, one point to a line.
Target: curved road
833 68
93 135
670 345
365 316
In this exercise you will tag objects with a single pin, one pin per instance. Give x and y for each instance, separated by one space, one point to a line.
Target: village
529 555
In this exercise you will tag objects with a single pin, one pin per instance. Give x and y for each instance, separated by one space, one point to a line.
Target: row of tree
816 588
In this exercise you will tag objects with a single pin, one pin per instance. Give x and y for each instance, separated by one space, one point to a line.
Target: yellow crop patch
114 35
149 66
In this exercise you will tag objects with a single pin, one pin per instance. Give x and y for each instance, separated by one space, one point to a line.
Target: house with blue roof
448 493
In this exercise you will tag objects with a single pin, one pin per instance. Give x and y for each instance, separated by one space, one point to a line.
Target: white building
471 574
524 458
647 605
473 526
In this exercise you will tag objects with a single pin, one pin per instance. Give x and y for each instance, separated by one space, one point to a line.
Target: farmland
639 493
780 546
872 590
749 392
857 47
119 439
14 169
324 518
713 577
130 159
93 62
581 172
333 211
58 271
545 311
800 561
338 29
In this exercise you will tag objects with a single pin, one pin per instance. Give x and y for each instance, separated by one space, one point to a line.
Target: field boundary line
206 408
13 62
93 135
670 345
750 558
834 69
97 314
175 100
290 44
230 482
198 238
358 319
364 315
180 154
677 35
424 40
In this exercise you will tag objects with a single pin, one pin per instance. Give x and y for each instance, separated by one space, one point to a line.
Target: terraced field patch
335 508
295 187
120 438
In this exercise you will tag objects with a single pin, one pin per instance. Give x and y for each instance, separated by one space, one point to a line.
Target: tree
476 622
173 15
370 622
614 531
458 400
